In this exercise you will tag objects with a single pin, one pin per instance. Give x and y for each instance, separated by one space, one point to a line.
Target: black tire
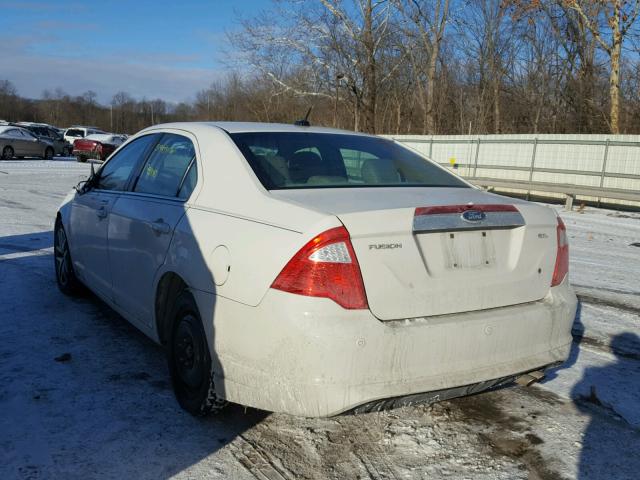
81 159
190 360
66 278
7 153
66 151
48 153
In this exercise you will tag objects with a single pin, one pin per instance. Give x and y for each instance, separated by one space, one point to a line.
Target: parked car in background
314 271
97 146
47 132
75 132
20 142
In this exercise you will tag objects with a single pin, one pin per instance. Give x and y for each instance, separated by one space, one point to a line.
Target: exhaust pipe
530 378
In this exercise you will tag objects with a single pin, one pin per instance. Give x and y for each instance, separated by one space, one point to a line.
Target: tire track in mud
607 302
374 459
411 442
603 346
600 344
256 460
508 435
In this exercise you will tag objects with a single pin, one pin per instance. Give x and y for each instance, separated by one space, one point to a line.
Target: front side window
169 168
286 160
114 175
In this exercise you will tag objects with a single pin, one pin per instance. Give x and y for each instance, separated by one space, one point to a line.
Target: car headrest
379 170
275 167
303 165
279 164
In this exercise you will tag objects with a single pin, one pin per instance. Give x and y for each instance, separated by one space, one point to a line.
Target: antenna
305 121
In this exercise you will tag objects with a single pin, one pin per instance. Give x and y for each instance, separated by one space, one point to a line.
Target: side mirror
85 185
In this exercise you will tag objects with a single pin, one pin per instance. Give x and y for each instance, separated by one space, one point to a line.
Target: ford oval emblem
473 216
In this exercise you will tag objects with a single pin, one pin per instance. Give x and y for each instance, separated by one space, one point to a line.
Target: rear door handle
160 227
101 212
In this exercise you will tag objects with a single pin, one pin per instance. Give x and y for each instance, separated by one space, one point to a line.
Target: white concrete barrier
591 167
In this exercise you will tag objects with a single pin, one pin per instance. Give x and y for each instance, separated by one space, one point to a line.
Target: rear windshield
284 160
75 133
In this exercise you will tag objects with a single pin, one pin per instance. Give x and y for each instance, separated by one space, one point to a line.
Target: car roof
33 124
248 127
4 128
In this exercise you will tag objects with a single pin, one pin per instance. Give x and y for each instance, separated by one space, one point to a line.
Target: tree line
404 67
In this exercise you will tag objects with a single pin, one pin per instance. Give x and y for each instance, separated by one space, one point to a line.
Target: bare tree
8 100
424 27
610 27
318 47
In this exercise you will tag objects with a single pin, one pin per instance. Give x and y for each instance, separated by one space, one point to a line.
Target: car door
18 142
32 146
90 215
143 221
58 144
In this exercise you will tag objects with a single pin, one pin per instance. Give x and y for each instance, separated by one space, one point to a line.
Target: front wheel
81 159
66 278
190 360
7 153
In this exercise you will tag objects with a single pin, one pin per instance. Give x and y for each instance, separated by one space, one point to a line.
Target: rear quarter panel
233 257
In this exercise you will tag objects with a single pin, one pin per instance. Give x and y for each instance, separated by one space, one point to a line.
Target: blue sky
167 49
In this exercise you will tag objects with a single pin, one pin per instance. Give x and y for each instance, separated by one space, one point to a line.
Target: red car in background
97 146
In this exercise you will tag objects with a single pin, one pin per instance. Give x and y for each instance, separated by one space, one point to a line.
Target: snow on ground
604 365
108 411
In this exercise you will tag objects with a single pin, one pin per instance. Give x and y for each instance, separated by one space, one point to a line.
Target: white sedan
314 271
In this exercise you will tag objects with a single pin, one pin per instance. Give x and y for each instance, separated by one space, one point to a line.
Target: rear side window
114 175
294 160
170 169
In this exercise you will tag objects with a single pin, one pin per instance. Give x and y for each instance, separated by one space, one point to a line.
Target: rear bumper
309 357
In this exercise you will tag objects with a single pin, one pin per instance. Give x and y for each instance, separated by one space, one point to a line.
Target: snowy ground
108 412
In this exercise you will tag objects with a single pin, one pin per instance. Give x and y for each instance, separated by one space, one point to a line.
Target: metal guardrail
558 185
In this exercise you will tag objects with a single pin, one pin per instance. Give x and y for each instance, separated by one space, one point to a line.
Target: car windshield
284 160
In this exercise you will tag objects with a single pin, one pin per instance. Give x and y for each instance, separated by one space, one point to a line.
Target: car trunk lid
444 251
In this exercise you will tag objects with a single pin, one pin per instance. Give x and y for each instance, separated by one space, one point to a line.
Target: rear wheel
65 275
81 159
7 153
48 153
66 151
190 360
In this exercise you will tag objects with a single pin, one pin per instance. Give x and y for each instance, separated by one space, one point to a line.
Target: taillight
98 148
326 267
562 256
